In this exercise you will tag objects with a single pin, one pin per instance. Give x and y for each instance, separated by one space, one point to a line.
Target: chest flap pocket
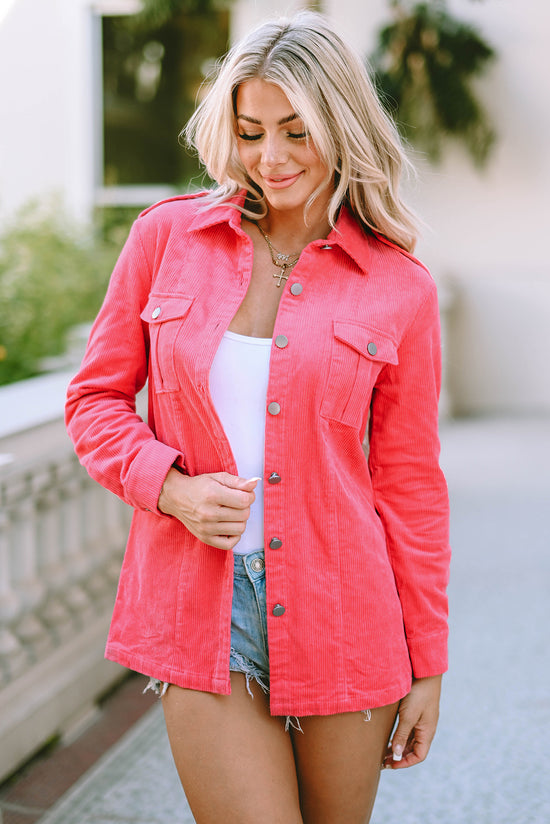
358 354
165 316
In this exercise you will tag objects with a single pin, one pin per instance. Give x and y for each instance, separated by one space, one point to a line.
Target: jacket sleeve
410 490
116 446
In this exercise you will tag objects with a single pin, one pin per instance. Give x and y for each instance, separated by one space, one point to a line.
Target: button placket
275 408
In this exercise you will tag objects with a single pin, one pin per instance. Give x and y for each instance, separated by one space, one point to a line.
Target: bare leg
338 761
235 761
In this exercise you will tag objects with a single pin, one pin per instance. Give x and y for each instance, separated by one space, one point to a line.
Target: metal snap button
372 348
274 478
275 543
278 610
257 564
274 408
326 246
281 341
296 289
156 312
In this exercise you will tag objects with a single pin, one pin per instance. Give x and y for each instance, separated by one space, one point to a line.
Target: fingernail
254 479
397 752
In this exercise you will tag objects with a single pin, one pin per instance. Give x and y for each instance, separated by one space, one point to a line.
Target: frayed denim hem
156 686
250 671
240 663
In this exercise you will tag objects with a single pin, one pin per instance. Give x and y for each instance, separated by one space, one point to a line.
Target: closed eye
292 135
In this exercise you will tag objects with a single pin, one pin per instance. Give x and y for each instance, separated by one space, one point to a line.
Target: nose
274 151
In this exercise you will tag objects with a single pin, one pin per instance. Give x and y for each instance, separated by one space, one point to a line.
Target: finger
416 756
230 528
225 528
394 758
399 740
416 751
228 513
233 498
225 536
227 542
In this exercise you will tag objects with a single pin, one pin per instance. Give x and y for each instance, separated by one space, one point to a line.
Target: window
150 78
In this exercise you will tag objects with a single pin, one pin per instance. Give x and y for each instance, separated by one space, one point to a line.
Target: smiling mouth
281 181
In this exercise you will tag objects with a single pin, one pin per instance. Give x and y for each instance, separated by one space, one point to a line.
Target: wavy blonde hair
328 86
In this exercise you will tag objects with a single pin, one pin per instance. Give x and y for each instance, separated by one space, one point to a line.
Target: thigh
338 762
235 760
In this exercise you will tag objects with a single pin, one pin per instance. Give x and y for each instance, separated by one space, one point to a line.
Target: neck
289 234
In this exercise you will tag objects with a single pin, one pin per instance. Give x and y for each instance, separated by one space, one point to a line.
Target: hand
214 508
418 714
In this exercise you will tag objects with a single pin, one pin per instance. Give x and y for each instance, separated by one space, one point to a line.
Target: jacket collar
348 234
222 213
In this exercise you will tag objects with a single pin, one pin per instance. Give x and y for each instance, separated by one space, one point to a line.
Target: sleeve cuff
148 473
428 655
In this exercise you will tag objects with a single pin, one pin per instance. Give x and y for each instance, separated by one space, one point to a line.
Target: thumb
250 483
235 482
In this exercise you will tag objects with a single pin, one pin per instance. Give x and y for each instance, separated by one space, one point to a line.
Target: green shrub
53 275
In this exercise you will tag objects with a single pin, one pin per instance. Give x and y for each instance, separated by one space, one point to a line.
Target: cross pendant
281 275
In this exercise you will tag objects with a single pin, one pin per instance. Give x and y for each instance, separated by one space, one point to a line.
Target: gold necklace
279 259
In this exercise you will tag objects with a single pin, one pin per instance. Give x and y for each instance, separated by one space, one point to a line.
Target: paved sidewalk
488 763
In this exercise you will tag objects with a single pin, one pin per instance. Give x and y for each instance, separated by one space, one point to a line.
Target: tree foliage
424 65
156 13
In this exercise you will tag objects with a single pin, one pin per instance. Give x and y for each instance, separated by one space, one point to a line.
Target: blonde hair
328 86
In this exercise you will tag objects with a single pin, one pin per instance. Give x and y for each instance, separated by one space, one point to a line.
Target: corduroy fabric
363 566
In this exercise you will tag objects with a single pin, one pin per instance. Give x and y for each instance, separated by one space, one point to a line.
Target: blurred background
93 95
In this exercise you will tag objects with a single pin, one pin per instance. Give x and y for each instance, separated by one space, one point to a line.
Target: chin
285 200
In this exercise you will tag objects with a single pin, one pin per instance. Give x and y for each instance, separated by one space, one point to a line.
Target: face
275 149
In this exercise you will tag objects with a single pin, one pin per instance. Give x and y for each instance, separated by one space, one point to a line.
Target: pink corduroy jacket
361 561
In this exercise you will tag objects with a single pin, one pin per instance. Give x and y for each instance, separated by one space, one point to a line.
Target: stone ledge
44 701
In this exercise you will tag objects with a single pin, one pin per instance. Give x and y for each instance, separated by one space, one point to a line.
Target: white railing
62 539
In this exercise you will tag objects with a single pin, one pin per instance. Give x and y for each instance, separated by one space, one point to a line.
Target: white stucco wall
47 118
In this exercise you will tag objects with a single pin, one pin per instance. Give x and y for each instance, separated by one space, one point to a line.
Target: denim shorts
249 650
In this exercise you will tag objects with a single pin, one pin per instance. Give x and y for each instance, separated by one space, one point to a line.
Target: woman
283 589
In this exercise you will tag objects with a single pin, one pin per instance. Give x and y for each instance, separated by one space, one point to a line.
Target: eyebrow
281 122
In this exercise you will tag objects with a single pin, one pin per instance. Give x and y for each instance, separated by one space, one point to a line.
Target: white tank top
238 386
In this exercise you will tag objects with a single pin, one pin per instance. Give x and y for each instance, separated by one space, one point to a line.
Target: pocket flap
367 340
161 307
